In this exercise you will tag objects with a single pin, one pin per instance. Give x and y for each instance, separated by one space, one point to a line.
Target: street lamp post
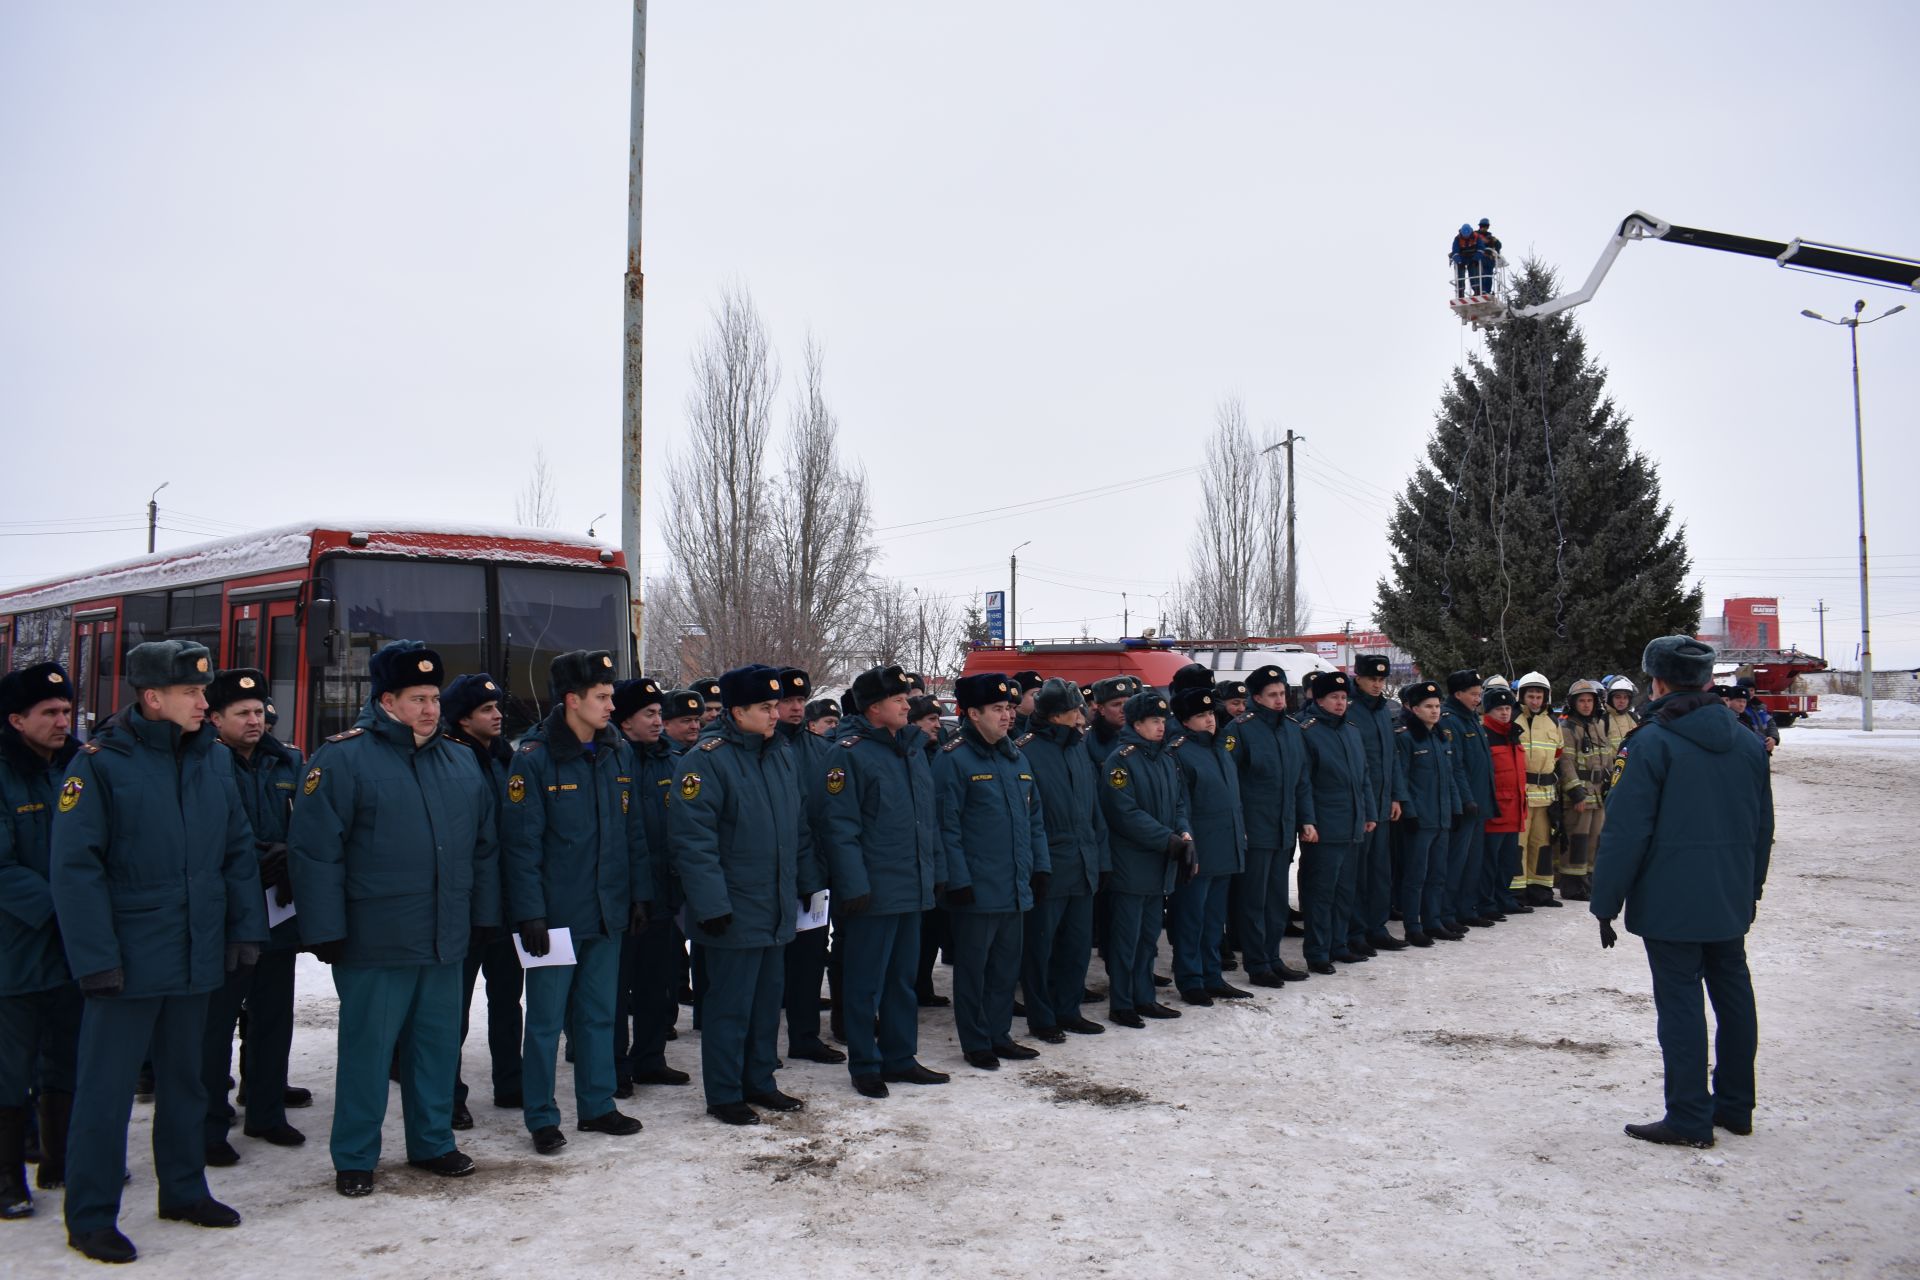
1853 323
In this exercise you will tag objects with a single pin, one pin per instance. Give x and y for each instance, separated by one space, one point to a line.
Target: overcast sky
359 258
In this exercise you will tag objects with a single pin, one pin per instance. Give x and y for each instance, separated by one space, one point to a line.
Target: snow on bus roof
285 547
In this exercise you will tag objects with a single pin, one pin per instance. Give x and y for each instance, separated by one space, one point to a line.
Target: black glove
1039 882
242 955
1106 878
274 874
1472 810
718 925
638 917
854 906
1607 936
1188 870
961 897
1176 845
482 936
533 936
106 984
329 952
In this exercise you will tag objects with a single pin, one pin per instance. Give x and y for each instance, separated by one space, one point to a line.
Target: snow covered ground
1839 710
1452 1112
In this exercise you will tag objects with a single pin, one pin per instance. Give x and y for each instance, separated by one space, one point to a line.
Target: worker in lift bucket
1467 255
1489 256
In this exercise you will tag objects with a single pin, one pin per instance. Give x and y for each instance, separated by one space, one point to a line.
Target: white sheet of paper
276 913
815 916
559 949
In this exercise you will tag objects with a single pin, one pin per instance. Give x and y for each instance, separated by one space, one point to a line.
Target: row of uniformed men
390 848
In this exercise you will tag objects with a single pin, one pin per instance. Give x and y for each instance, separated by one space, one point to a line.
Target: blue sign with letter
996 617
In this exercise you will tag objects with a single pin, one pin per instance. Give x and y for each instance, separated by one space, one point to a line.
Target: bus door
94 634
261 633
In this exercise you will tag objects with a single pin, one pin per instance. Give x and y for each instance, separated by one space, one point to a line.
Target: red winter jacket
1509 776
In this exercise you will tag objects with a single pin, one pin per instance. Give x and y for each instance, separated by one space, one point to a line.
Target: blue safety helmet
1466 229
1485 223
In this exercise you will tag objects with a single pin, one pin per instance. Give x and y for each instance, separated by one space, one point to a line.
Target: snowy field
1452 1112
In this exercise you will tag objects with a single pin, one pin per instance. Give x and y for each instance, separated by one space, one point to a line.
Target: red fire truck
1772 671
308 603
1082 661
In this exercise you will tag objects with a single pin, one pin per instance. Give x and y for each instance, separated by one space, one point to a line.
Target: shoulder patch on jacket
312 783
516 789
836 780
351 733
1118 778
690 786
710 744
70 794
1227 743
1619 767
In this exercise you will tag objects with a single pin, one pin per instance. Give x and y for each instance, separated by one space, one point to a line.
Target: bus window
442 605
283 664
246 643
545 613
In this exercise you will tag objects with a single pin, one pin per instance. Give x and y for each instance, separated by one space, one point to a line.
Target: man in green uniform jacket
883 843
394 855
157 886
1685 848
740 842
573 849
39 1003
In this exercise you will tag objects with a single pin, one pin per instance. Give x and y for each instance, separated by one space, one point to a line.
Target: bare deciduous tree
1237 567
717 517
537 505
821 531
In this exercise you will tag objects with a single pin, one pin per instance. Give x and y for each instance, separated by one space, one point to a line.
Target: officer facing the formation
470 716
267 774
995 844
1198 917
1424 748
1373 869
1685 850
1271 756
1473 786
156 884
1336 824
881 828
806 957
39 1003
740 843
394 851
1058 938
573 857
653 955
1145 804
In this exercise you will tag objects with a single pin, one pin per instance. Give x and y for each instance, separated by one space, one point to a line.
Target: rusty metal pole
630 461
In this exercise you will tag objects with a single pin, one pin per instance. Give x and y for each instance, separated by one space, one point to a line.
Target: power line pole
1124 615
1013 593
630 519
1822 611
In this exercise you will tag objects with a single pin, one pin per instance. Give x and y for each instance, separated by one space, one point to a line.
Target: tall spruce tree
1533 537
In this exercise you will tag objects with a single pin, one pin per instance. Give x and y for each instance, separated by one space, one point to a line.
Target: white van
1234 664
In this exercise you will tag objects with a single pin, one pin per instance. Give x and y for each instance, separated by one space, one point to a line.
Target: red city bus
307 604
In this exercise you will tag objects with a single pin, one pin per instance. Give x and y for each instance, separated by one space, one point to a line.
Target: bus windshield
545 613
507 620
